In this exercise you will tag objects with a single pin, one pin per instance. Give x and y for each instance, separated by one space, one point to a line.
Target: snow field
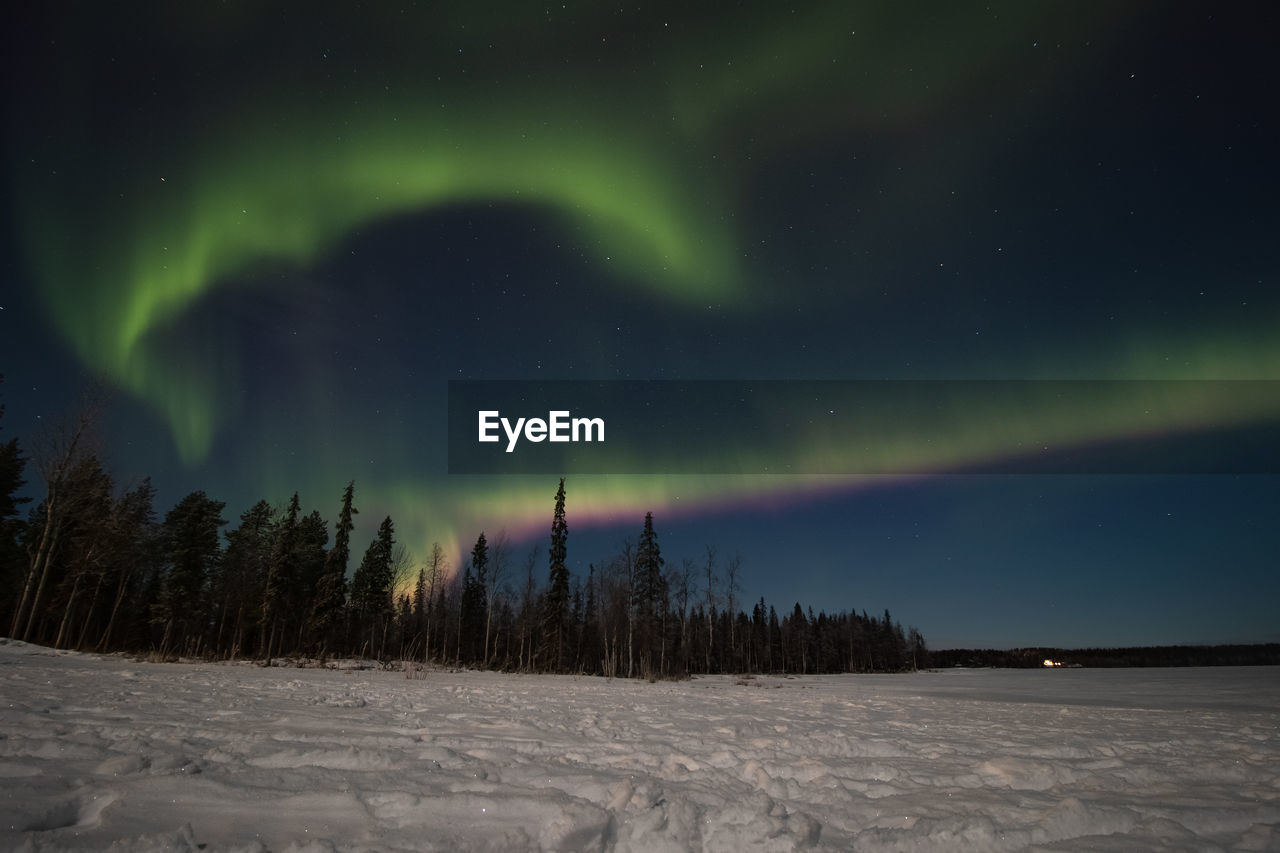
102 753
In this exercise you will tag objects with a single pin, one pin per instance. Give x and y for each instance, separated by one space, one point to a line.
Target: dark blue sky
278 235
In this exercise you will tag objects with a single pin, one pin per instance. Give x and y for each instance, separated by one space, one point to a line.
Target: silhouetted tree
371 587
192 549
12 466
435 571
650 599
85 551
474 604
555 620
529 616
134 538
918 651
311 553
589 657
282 574
67 463
237 588
331 590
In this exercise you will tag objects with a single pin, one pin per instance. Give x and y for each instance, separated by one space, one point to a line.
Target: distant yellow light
1048 662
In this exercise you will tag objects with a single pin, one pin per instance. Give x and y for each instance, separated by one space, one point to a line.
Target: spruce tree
282 574
242 576
313 536
650 598
85 550
192 550
774 653
555 621
371 587
473 613
480 595
12 466
331 591
799 632
133 541
420 604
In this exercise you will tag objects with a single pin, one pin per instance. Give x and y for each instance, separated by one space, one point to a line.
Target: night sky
278 230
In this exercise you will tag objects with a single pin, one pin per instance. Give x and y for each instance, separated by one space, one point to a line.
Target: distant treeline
92 567
1261 654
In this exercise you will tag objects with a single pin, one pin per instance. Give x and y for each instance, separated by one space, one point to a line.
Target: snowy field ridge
104 753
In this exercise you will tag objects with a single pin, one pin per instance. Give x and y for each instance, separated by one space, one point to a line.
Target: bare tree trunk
488 617
222 621
27 584
262 637
66 612
271 641
164 640
33 571
630 608
611 660
237 635
662 647
105 642
56 462
711 601
44 577
88 617
444 641
735 564
426 648
604 644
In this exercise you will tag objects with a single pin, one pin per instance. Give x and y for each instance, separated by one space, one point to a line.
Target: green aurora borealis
767 193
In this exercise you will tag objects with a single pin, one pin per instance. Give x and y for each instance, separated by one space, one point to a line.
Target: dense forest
1227 655
92 567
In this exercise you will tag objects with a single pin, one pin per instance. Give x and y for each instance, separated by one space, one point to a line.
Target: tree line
1259 654
93 567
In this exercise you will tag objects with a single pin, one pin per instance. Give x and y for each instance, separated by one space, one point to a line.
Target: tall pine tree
12 465
555 620
282 574
237 588
193 549
371 587
650 599
331 590
473 603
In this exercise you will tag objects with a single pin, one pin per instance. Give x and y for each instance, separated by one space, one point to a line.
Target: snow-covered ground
105 752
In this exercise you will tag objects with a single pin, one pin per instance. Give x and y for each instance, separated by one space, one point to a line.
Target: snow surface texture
105 753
